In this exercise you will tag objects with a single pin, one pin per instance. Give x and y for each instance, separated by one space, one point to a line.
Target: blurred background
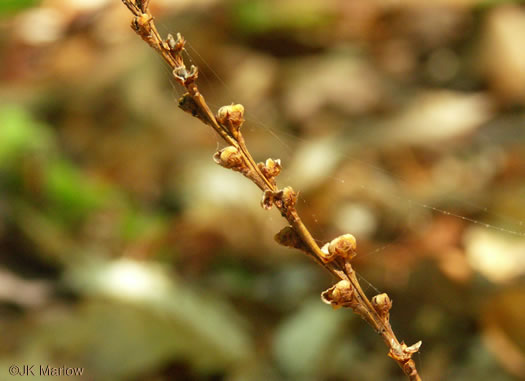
126 251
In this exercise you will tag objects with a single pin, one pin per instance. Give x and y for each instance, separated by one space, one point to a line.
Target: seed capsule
271 168
382 304
232 117
343 246
267 199
340 295
229 157
289 197
288 237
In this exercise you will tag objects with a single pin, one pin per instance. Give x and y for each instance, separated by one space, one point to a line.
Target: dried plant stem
334 256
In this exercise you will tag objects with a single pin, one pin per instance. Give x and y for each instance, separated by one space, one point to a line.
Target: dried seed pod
193 74
382 304
229 157
180 73
340 295
175 45
271 168
232 117
288 237
170 42
267 199
187 104
184 77
402 352
140 24
343 246
288 197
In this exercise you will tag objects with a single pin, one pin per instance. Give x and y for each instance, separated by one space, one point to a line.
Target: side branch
336 255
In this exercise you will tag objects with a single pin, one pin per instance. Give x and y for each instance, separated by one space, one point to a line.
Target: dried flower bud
140 24
288 197
170 41
382 304
184 77
402 352
231 117
340 295
288 237
267 199
175 45
343 246
180 73
229 157
187 103
271 168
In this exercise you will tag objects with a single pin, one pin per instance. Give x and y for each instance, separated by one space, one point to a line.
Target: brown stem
348 292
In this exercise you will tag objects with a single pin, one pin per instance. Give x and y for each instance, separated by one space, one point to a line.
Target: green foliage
136 223
71 194
261 16
20 135
10 6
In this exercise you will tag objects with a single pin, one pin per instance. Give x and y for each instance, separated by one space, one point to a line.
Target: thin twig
335 256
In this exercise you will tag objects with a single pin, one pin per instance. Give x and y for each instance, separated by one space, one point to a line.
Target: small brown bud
343 246
382 304
184 77
284 198
289 197
288 237
267 199
140 24
175 45
402 352
229 157
340 295
180 73
271 168
187 103
170 41
232 117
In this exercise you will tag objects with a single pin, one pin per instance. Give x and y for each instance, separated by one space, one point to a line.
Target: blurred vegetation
125 250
